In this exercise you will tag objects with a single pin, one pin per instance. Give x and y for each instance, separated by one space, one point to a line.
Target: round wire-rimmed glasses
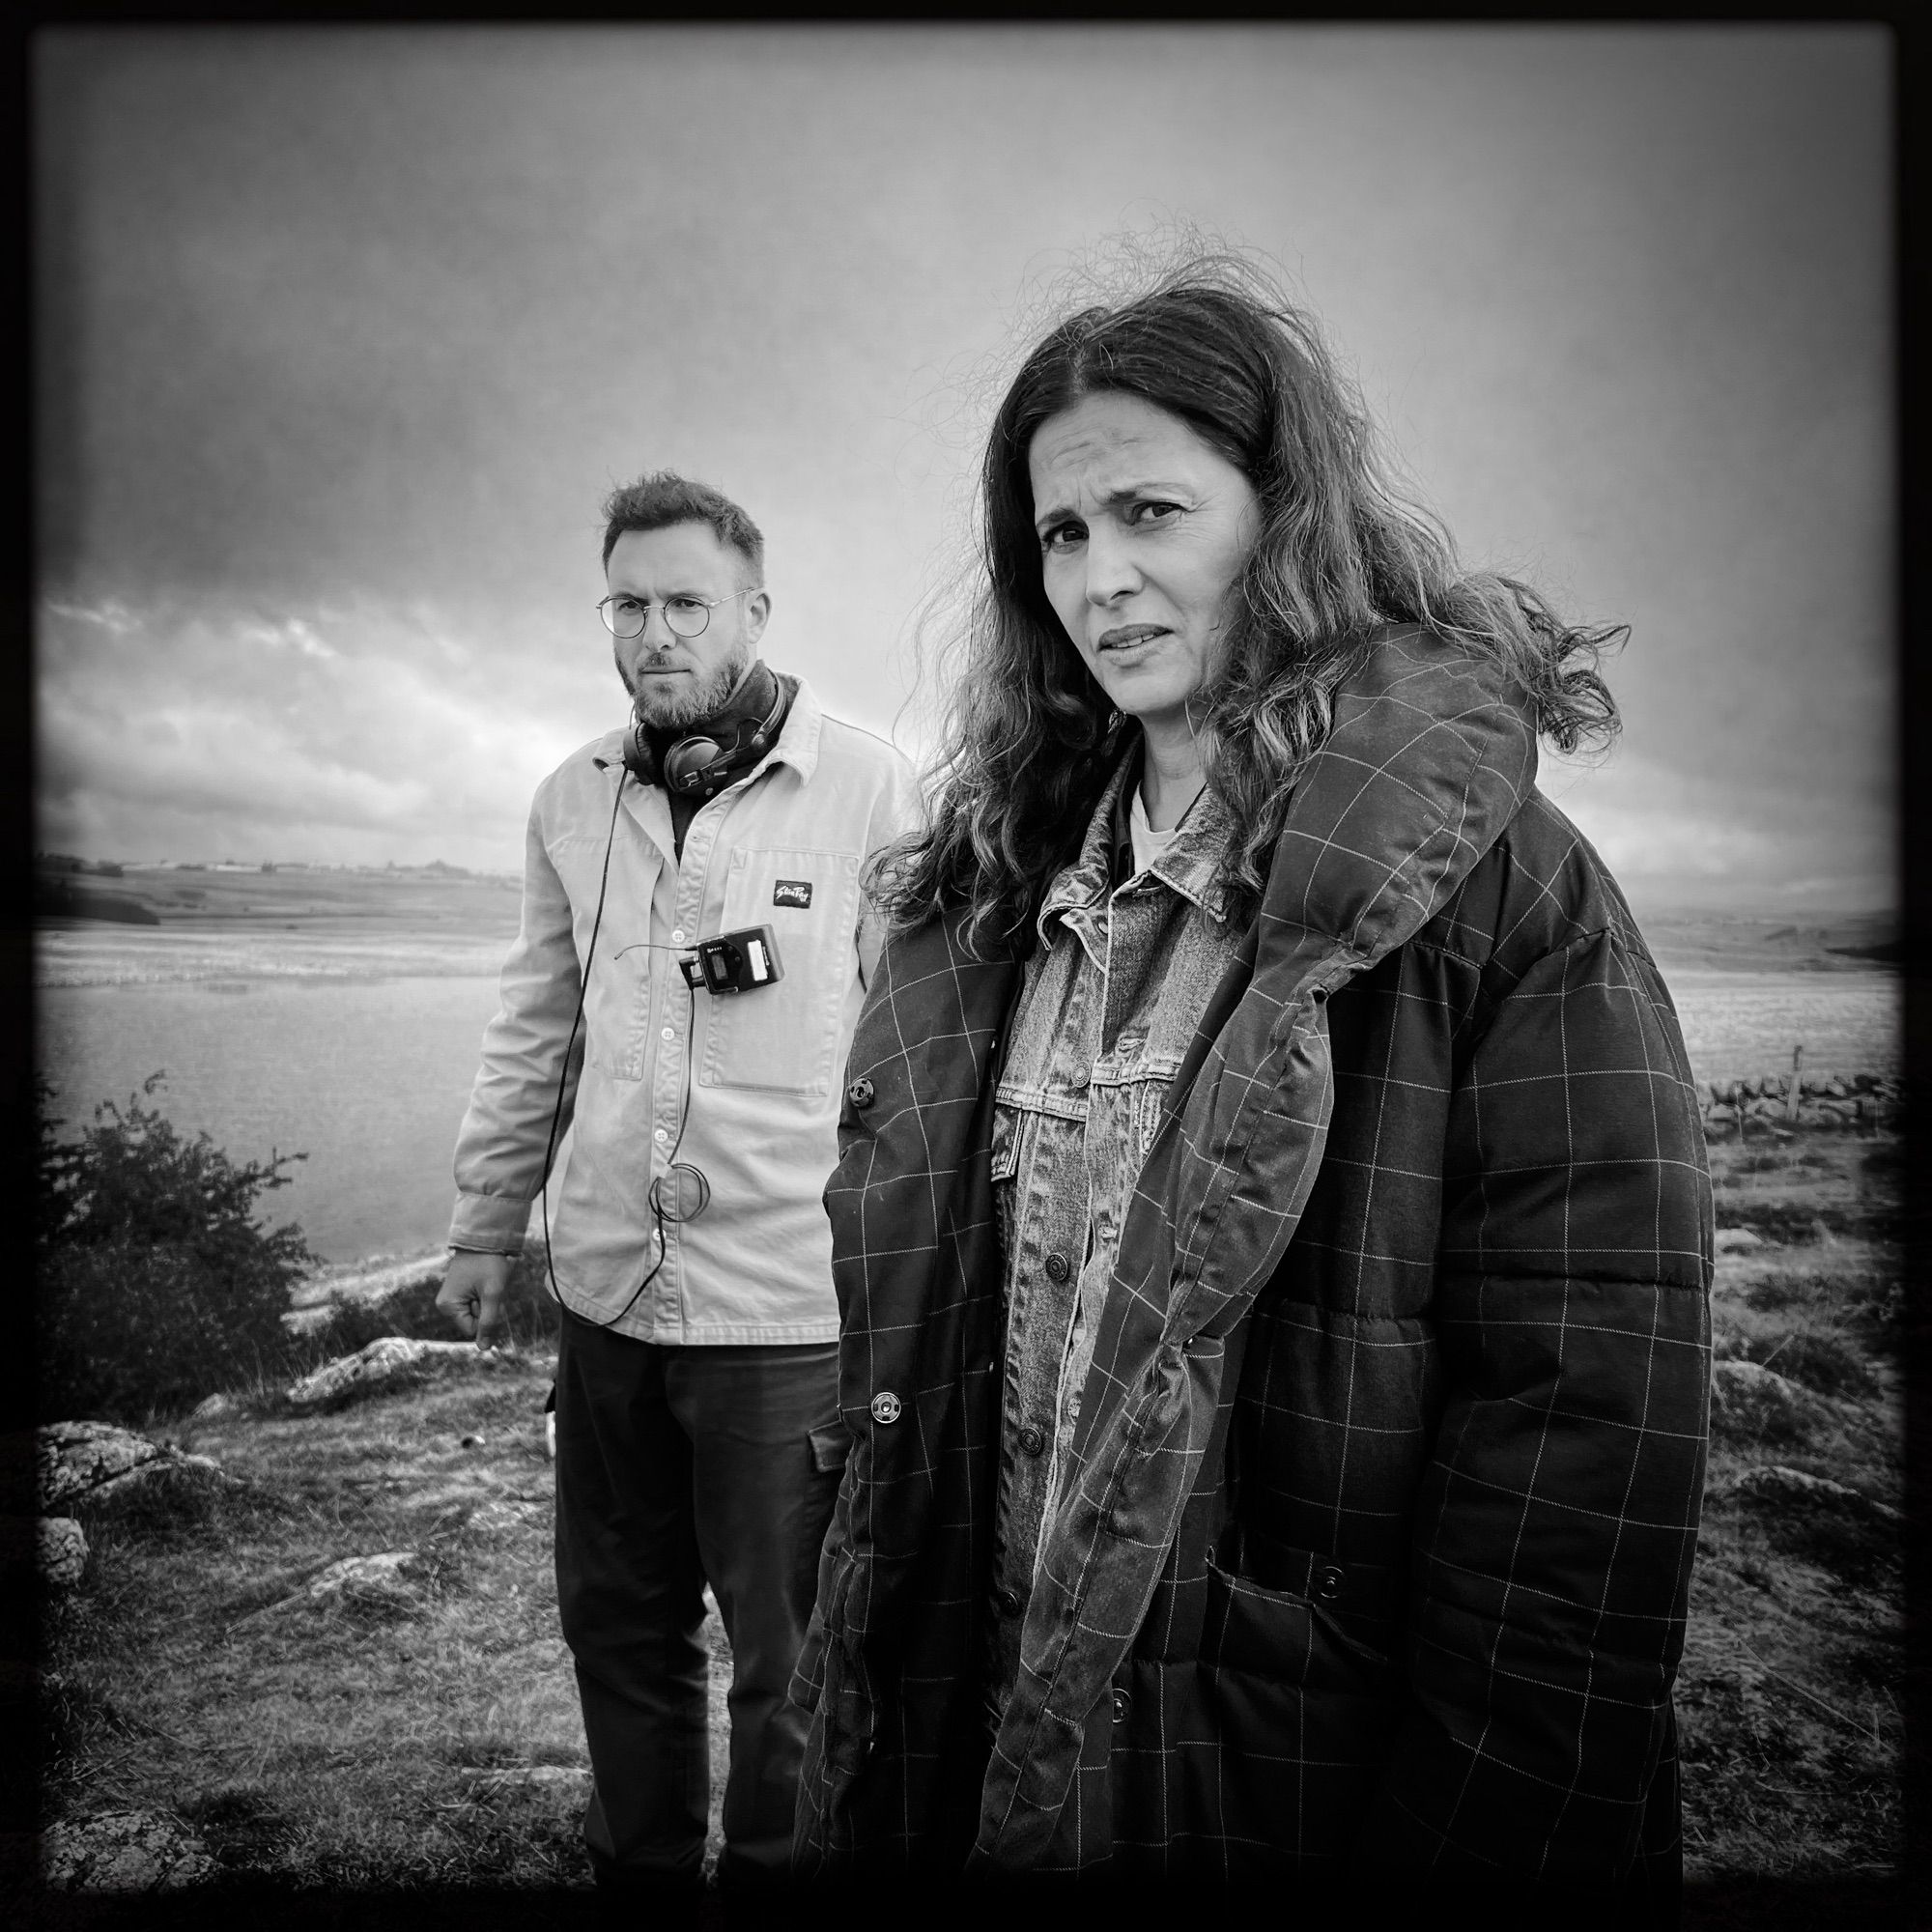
684 616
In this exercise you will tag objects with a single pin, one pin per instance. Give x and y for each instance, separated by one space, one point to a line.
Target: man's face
672 680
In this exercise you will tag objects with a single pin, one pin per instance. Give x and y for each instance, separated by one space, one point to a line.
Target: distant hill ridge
1740 943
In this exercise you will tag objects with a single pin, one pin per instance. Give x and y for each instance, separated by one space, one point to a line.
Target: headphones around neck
702 762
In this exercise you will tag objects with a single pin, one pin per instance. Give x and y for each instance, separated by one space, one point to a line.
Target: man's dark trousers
675 1466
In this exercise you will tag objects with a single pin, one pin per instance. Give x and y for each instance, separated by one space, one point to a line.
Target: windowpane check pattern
1391 1451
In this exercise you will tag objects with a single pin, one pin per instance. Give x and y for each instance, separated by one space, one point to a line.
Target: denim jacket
1110 1001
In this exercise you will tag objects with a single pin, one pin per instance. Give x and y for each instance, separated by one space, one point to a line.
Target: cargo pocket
1301 1715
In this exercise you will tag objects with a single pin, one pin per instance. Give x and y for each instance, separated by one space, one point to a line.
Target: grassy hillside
435 1740
432 1741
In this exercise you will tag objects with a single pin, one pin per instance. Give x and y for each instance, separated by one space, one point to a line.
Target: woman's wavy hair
1030 738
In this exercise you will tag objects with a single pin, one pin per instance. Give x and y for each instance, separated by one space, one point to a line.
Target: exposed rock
214 1408
53 1545
1758 1403
525 1776
89 1461
389 1362
124 1851
1778 1487
1738 1240
499 1516
364 1284
390 1581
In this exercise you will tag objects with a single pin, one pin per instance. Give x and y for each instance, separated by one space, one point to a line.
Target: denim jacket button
1033 1440
1056 1266
885 1406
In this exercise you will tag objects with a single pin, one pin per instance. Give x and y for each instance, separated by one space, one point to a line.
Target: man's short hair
664 498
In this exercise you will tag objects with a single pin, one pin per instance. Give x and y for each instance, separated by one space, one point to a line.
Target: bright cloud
328 734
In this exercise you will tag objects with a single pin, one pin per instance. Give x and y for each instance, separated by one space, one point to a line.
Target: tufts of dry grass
1792 1731
380 1747
337 1746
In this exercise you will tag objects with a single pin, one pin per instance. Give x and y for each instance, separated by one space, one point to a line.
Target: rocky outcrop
482 1778
1754 1403
54 1546
1739 1240
135 1851
395 1580
501 1516
389 1362
361 1284
1774 1486
80 1463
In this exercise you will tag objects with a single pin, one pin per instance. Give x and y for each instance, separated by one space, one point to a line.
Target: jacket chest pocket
785 1039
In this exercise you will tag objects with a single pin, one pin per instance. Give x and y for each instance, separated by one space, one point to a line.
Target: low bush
157 1282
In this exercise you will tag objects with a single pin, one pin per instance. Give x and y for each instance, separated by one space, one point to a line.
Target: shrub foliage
156 1283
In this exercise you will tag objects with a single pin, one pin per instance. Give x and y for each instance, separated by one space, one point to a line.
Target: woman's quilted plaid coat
1393 1443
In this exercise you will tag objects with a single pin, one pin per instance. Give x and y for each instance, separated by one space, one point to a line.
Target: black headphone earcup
691 762
639 761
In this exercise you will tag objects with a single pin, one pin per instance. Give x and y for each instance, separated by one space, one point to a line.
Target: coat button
1056 1268
1123 1704
1328 1581
1009 1602
1032 1440
885 1406
860 1093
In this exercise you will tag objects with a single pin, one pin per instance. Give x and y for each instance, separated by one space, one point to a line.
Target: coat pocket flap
831 1446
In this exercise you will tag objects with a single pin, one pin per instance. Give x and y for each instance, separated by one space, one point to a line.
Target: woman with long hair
1272 1229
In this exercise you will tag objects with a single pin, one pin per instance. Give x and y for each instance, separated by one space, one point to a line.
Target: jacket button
1123 1704
1328 1581
1032 1440
1056 1266
1009 1602
860 1093
885 1406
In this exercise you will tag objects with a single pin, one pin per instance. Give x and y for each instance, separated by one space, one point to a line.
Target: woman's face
1143 527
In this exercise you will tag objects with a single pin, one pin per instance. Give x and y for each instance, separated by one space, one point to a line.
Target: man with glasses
697 1429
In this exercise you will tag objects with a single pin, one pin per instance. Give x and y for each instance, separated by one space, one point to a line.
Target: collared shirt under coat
786 846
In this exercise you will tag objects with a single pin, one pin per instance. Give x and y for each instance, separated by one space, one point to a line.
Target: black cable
563 1076
670 1168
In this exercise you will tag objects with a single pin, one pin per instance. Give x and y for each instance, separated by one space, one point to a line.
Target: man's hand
472 1293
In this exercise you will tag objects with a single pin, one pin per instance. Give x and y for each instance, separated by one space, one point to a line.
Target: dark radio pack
740 961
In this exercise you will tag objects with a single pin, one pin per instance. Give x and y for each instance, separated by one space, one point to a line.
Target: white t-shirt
1149 845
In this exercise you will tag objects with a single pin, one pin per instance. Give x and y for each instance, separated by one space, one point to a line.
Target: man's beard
690 704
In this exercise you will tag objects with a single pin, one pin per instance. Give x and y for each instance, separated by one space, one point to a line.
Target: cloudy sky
345 333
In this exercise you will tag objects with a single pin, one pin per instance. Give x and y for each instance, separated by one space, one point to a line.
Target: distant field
215 924
237 926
